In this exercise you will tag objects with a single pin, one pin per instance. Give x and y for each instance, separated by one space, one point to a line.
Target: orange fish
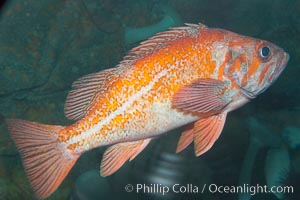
192 74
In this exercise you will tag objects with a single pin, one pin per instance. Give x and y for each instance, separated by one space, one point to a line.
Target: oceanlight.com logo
212 188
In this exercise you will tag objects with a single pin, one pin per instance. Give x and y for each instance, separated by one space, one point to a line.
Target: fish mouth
284 59
282 62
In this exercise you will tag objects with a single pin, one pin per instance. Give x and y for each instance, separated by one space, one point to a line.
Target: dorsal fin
160 40
84 91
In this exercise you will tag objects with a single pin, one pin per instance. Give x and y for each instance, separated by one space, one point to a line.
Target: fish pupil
265 52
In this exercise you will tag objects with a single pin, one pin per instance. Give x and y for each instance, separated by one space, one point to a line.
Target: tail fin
46 161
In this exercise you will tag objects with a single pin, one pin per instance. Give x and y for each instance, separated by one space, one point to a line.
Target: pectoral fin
202 96
207 131
115 156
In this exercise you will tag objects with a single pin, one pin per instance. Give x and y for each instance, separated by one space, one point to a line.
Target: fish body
137 105
188 75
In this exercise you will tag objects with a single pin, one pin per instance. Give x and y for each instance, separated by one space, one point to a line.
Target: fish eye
265 52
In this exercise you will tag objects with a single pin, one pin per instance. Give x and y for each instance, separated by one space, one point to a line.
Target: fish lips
283 60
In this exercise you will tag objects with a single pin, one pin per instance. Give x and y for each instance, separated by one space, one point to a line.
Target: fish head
254 65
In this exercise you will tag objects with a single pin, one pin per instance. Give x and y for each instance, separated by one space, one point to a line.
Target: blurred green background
46 45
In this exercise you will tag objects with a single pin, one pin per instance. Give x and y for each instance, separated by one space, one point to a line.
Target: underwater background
46 45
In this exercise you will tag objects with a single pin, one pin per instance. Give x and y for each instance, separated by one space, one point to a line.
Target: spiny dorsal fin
160 40
84 91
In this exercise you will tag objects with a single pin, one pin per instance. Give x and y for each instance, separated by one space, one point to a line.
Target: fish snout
282 61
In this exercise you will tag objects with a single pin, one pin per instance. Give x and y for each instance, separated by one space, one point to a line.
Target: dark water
46 45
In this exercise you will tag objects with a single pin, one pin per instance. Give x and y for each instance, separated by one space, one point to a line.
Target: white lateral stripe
118 111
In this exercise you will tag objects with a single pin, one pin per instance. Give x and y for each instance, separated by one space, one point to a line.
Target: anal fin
115 156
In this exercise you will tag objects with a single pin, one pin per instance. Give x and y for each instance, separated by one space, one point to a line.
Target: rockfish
187 75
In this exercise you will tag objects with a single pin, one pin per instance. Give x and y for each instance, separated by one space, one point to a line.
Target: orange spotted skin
136 102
